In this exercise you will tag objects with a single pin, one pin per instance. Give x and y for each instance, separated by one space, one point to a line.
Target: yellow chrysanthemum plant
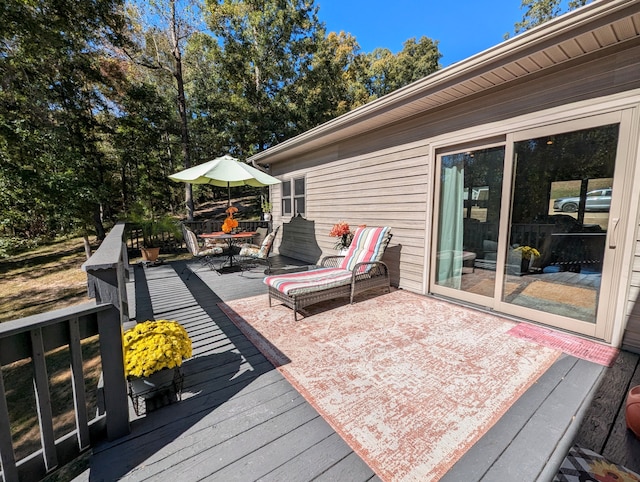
528 252
154 345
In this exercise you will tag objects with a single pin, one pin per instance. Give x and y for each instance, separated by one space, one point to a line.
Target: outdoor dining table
232 239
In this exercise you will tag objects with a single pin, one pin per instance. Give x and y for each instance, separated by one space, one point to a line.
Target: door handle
613 233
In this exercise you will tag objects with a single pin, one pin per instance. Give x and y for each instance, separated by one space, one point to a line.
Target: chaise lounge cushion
309 281
360 270
367 246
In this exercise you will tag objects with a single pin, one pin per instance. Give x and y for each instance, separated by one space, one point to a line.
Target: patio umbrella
225 171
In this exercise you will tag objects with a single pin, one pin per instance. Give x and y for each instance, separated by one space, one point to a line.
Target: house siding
379 188
383 177
631 340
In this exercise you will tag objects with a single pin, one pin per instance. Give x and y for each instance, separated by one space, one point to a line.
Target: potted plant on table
153 354
344 234
266 207
529 254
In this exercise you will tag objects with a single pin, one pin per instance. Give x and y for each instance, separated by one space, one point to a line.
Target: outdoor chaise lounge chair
360 269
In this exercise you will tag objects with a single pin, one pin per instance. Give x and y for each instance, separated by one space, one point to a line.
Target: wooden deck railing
169 244
28 340
199 227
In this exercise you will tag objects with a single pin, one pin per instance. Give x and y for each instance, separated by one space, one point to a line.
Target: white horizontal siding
387 187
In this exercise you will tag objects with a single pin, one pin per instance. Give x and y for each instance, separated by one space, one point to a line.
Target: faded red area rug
573 345
409 382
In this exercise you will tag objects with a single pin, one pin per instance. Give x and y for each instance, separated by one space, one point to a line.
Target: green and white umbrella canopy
225 171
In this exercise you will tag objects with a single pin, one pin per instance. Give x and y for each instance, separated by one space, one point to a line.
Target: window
286 198
293 197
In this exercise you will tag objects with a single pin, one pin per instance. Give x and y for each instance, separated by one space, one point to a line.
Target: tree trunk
87 246
182 108
97 222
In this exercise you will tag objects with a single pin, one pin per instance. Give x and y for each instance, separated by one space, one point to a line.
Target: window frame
292 200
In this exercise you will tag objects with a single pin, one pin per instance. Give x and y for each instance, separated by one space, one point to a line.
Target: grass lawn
46 278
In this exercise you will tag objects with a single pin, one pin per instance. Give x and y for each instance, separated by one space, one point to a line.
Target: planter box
158 389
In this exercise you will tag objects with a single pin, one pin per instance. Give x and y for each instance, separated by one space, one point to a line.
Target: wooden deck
239 419
604 429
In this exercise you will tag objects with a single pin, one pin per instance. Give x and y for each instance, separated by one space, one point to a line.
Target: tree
141 141
384 72
266 49
330 88
415 61
539 11
52 89
174 22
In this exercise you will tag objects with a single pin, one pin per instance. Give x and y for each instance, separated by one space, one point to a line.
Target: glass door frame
434 287
618 220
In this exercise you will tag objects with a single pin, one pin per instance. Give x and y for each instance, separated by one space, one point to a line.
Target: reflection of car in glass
598 200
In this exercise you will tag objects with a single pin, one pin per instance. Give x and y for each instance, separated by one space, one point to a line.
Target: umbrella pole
228 195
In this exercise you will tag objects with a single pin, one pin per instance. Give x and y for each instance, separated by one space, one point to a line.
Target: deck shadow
144 310
220 384
211 381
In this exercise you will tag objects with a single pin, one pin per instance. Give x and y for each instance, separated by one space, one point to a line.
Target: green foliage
52 88
331 87
265 49
153 225
93 118
266 206
12 245
539 11
381 72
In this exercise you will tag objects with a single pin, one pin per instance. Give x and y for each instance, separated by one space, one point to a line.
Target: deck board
530 429
604 428
239 419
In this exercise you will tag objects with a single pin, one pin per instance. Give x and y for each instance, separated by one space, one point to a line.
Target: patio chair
261 233
204 255
360 269
252 254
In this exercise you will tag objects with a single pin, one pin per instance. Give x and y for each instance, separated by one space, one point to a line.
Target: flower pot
266 216
150 254
632 410
147 387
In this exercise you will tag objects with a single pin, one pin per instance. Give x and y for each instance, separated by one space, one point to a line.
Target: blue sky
462 27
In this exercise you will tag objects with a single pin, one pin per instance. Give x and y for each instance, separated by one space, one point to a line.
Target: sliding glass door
521 227
558 226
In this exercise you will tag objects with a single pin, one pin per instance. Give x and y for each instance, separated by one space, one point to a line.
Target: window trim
292 197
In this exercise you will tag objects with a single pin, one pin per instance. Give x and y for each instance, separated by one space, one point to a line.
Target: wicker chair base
378 277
